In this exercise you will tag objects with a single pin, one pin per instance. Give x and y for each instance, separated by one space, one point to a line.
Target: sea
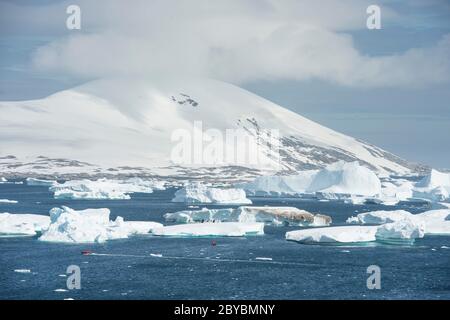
245 268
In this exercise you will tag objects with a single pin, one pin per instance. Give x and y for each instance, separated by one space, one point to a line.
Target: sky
389 87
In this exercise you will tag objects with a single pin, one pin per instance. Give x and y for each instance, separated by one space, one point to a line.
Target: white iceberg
281 216
435 186
437 222
8 201
344 234
23 224
203 215
91 225
406 229
266 214
40 182
104 188
200 193
434 221
209 229
379 217
3 180
337 180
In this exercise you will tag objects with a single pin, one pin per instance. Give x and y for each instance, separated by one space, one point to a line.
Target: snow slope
125 125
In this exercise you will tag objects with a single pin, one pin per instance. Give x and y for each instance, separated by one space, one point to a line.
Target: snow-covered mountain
125 127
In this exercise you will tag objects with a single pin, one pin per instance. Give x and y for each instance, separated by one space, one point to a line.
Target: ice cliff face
116 127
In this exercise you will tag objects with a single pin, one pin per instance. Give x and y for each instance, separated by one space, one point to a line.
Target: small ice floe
62 275
9 201
22 270
433 249
263 258
69 299
226 229
60 290
156 255
345 251
445 247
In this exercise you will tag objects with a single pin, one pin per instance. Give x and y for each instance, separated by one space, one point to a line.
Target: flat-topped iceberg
340 178
344 234
200 193
433 221
405 231
379 217
103 188
23 224
40 182
281 216
266 214
90 225
434 186
210 229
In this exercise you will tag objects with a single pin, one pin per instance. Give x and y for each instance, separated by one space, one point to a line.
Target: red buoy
213 243
86 252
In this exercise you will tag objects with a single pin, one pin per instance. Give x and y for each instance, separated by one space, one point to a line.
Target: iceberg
379 217
406 229
437 222
40 182
267 215
344 234
434 221
90 226
336 181
281 216
200 193
194 216
103 189
435 186
209 229
23 224
3 180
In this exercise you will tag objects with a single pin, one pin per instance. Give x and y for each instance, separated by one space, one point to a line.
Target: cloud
234 40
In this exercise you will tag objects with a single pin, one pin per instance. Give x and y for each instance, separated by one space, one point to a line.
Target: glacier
210 229
196 192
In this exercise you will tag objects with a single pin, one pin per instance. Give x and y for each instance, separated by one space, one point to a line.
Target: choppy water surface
194 269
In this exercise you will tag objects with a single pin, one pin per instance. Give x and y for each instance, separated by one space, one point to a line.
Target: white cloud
235 41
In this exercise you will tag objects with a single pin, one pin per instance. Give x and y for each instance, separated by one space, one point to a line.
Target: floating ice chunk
340 178
437 222
8 201
192 216
268 215
3 180
227 229
23 224
406 229
281 216
379 217
344 234
91 225
22 270
199 193
40 182
263 259
104 188
435 186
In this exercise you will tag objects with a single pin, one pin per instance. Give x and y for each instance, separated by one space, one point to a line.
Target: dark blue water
197 270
